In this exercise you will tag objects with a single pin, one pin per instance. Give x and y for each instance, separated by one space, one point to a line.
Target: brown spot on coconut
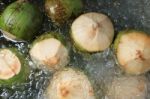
92 32
69 83
48 51
133 51
64 91
128 87
59 11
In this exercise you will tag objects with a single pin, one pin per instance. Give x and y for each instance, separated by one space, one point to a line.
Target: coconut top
93 31
49 48
50 51
9 64
133 51
70 84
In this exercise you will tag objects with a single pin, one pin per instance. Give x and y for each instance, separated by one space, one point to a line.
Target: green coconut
61 10
49 51
22 19
133 51
92 32
69 83
128 87
13 67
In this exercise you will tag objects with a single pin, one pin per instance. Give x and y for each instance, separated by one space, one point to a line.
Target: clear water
100 67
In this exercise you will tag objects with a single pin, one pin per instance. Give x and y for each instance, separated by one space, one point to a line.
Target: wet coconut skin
22 19
135 46
61 10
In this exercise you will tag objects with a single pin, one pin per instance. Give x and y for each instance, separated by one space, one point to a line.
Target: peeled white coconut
133 87
48 50
69 84
92 32
133 51
9 64
13 67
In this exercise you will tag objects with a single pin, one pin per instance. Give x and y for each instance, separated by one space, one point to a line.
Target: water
100 67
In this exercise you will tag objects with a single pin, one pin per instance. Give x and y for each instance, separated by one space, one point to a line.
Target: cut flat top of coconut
133 52
49 51
9 64
93 31
70 84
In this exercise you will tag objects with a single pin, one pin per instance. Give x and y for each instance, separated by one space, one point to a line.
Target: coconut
92 32
22 19
133 51
131 87
61 10
69 83
13 67
50 51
